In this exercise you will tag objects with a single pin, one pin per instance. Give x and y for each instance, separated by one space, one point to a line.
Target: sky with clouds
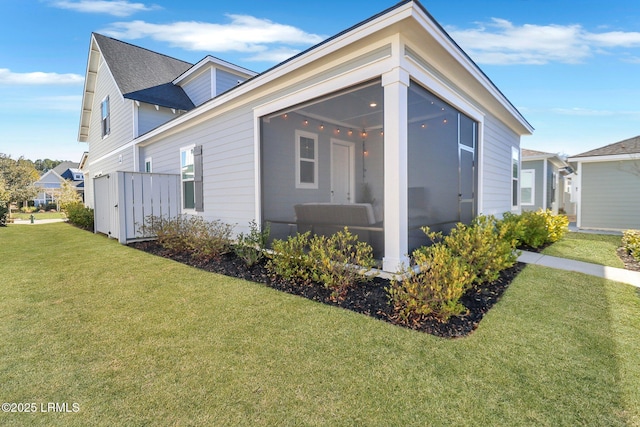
571 67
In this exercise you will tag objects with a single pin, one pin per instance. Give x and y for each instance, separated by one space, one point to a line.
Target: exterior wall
228 163
495 168
149 118
610 196
199 87
538 167
226 81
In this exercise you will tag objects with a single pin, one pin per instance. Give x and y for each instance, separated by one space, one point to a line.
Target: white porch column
395 83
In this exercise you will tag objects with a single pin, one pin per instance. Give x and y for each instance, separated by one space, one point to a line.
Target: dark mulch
368 298
630 263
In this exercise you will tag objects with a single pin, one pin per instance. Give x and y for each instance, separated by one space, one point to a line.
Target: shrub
340 261
250 247
28 209
486 248
80 215
435 290
289 258
534 229
4 214
631 243
203 239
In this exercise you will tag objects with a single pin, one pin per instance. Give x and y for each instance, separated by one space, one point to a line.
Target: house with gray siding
608 186
542 181
385 127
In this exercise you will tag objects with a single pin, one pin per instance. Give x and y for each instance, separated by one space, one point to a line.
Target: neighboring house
51 181
385 127
608 186
542 181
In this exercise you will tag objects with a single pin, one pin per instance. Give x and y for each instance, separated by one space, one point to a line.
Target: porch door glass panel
467 185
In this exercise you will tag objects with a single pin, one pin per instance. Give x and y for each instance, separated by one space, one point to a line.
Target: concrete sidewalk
37 221
611 273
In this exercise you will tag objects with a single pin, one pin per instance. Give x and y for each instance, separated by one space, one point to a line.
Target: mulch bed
630 263
368 298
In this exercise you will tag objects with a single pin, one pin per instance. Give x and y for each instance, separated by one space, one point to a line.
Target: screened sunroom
323 166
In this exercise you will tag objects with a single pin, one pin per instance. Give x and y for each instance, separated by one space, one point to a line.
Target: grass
594 248
38 215
140 340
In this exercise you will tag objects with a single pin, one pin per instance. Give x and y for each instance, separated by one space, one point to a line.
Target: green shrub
289 258
534 229
203 239
250 247
486 248
28 209
4 214
631 243
80 215
435 290
340 261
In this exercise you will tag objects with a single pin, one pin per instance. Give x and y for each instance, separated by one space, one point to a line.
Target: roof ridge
142 48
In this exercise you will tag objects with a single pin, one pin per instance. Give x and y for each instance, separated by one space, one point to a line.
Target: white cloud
243 33
587 112
7 77
500 42
120 8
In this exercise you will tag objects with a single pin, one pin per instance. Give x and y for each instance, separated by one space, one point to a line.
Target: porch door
467 184
342 171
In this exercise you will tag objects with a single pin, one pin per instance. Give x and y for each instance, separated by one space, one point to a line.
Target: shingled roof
628 146
144 75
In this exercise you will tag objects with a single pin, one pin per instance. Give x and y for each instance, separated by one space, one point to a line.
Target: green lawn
594 248
135 339
38 215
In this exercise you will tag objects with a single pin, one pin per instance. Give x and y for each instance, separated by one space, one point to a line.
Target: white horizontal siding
226 81
228 164
610 195
198 89
498 141
150 118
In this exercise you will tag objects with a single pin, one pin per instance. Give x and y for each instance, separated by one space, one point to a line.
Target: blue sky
571 67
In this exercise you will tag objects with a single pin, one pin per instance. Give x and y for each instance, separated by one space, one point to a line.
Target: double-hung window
106 117
527 188
187 173
306 160
515 176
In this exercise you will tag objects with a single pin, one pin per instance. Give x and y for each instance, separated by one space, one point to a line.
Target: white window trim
182 208
533 186
314 136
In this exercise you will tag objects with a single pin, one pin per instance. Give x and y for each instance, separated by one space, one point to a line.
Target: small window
147 165
187 173
106 117
306 160
527 186
515 176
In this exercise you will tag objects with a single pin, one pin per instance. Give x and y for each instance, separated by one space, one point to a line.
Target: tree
18 177
66 195
43 165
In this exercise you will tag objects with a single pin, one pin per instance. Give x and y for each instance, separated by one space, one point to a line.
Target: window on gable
106 117
306 160
515 176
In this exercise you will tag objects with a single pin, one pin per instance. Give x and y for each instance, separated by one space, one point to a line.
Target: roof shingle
628 146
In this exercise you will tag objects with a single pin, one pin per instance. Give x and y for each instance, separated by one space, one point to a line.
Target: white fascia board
612 158
458 54
88 92
215 62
